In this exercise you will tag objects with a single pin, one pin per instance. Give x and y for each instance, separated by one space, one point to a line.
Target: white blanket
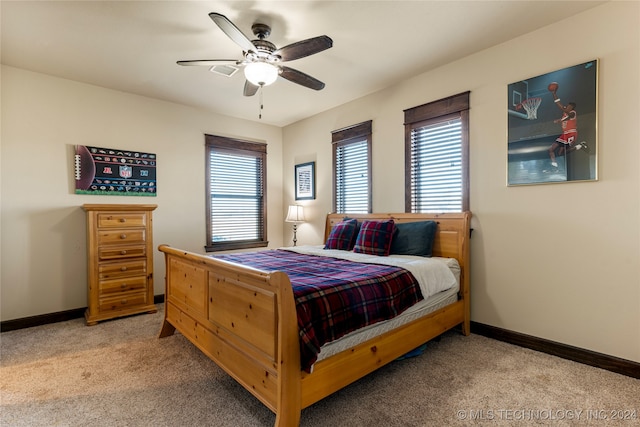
433 274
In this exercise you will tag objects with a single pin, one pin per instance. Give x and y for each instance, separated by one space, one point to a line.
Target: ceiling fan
262 60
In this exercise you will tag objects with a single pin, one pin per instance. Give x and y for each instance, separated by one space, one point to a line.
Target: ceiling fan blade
209 62
232 31
301 78
304 48
249 88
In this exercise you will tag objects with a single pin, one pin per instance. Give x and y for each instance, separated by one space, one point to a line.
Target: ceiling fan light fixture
261 73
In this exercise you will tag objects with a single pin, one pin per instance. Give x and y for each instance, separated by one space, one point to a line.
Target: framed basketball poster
114 172
552 127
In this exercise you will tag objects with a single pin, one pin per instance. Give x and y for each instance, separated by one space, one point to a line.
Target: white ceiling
133 46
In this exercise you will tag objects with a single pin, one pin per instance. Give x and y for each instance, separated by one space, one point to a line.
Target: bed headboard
452 235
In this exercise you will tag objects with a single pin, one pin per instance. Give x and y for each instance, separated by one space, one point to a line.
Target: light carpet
118 373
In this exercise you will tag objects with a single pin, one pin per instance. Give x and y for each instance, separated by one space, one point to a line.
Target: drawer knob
123 220
123 236
123 252
124 301
123 286
123 268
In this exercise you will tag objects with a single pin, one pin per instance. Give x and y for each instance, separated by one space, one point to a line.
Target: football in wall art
110 171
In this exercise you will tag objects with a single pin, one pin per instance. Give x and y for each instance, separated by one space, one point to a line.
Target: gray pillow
414 238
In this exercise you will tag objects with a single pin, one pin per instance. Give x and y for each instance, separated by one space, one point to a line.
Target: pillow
341 236
414 238
374 237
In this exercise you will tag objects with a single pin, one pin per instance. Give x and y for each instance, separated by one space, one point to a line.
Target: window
236 202
437 156
352 169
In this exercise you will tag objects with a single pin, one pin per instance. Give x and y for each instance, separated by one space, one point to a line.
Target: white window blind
436 167
437 155
236 194
352 168
236 197
352 177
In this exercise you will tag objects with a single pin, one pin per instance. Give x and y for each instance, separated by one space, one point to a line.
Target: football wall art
110 171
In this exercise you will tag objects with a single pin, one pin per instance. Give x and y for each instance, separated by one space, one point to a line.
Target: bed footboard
241 318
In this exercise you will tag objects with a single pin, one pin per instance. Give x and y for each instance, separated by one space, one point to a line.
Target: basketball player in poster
566 142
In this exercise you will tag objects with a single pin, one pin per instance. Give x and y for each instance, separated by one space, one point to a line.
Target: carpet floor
118 373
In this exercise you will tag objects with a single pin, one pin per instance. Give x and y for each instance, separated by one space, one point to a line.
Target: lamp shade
261 73
295 214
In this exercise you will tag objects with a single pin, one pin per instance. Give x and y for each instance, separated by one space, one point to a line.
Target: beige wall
559 261
43 226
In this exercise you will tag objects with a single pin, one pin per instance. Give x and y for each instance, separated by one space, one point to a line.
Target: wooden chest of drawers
120 261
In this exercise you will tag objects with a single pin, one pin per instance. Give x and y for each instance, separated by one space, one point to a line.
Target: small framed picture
305 174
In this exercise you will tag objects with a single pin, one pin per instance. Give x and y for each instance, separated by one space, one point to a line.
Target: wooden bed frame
245 321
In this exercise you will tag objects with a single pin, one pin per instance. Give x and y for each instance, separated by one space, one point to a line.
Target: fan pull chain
261 103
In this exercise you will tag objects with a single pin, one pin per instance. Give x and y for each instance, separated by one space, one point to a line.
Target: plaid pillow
341 236
374 237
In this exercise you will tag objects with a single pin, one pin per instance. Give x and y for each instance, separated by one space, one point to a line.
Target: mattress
439 283
421 309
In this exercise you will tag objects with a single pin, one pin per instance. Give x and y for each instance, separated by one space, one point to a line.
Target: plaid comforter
334 296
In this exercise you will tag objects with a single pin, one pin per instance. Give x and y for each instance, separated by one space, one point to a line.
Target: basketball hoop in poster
531 105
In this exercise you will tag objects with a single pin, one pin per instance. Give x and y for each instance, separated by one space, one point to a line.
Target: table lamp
295 215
